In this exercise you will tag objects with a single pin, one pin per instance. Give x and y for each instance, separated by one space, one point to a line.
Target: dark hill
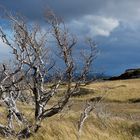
128 74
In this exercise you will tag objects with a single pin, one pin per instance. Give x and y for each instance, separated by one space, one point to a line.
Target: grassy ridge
120 90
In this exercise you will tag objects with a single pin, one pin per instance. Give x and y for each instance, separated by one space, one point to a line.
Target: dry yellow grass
120 90
122 124
65 128
112 128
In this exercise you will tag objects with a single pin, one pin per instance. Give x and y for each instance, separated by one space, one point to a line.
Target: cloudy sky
113 24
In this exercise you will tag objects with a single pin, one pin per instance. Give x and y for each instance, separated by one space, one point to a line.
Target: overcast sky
113 24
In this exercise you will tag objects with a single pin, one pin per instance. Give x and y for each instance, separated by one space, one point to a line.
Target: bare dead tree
33 64
89 107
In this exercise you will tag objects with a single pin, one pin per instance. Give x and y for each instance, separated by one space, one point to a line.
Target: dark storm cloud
120 51
121 9
115 25
65 8
31 8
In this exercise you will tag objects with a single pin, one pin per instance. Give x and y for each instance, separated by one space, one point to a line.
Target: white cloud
3 48
92 25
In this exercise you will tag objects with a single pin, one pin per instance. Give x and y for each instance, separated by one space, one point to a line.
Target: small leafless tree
89 107
33 63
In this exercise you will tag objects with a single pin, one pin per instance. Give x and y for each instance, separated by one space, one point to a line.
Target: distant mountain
93 76
90 77
128 74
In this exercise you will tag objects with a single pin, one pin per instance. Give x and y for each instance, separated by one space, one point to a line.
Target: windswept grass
65 128
119 118
122 124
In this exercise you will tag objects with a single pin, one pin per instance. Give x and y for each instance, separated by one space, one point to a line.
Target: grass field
119 114
117 117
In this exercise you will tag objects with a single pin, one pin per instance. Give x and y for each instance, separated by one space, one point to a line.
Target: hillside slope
128 74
